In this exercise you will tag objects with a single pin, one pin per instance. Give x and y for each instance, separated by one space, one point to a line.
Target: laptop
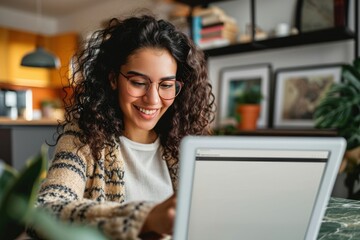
236 187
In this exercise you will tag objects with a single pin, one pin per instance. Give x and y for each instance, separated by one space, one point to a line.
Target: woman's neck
141 136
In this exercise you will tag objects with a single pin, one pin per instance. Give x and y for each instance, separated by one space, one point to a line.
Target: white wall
84 22
268 15
27 22
90 19
268 12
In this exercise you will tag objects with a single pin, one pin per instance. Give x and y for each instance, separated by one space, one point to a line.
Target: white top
146 173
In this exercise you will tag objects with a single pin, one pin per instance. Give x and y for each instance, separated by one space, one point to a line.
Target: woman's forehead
148 60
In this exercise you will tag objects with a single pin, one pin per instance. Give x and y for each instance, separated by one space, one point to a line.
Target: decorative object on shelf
340 109
282 30
248 107
246 37
235 81
52 109
321 14
298 91
40 57
17 196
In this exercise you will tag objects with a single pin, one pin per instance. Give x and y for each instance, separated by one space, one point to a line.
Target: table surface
341 220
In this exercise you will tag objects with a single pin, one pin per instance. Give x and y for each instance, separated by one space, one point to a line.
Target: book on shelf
340 13
199 11
214 19
219 34
212 15
196 28
212 27
219 26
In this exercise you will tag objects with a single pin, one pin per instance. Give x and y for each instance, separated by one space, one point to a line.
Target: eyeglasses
139 85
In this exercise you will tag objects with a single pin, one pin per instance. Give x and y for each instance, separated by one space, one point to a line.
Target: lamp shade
40 58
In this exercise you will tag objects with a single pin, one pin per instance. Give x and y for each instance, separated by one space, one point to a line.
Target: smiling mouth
147 111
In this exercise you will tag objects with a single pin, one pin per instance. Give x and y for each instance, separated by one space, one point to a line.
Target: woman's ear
113 82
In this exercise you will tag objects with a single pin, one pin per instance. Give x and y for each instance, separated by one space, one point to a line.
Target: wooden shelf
321 36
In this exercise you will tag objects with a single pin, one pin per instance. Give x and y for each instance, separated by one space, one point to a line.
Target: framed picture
312 15
235 80
297 92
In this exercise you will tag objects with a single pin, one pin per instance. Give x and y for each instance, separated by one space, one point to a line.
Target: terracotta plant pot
249 114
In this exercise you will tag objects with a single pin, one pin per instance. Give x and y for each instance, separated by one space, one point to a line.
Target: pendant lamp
40 57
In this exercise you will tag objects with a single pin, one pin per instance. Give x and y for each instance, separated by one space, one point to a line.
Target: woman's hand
161 218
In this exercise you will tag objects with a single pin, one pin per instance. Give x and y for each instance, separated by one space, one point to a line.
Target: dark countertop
341 220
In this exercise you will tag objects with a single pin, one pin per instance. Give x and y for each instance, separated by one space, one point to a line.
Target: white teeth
147 112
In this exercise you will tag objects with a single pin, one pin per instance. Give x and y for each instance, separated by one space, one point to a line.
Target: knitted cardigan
80 189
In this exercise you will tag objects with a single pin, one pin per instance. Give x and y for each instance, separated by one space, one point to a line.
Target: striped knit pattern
80 189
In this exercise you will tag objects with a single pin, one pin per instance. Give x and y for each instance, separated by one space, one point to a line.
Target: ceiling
50 8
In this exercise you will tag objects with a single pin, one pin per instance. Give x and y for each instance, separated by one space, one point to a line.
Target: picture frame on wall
297 92
234 80
313 15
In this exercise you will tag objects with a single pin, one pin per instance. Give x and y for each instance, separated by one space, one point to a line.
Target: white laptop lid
234 187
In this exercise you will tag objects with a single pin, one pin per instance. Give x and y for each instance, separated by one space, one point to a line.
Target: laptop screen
247 194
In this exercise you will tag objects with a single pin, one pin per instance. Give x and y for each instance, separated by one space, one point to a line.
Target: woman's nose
152 95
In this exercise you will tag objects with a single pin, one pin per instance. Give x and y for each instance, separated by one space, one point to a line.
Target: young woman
139 87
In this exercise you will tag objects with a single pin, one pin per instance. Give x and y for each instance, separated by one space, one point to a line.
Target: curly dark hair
94 104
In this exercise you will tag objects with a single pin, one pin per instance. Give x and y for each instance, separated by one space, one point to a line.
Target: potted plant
248 108
340 109
17 196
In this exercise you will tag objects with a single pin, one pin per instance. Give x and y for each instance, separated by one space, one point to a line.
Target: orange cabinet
14 44
19 44
3 54
64 46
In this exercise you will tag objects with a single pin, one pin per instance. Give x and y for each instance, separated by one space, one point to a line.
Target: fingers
171 201
162 217
170 213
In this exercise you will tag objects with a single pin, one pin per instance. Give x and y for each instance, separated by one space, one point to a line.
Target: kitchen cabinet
3 53
64 46
20 140
20 43
14 44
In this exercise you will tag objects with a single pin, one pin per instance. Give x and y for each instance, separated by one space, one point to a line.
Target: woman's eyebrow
143 75
168 78
136 73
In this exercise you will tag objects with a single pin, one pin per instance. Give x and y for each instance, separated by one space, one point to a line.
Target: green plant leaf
252 95
340 108
24 186
7 176
17 208
352 76
331 113
352 136
356 64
